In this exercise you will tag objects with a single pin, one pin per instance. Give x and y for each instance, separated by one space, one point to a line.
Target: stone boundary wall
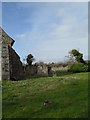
42 70
61 68
35 70
30 71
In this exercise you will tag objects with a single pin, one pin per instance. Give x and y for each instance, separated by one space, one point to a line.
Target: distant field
69 94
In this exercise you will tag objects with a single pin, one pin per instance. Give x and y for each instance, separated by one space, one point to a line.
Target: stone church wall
16 68
0 61
5 62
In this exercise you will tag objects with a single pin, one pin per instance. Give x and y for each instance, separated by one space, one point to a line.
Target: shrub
78 67
61 73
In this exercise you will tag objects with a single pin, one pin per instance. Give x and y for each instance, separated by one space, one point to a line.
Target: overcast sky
47 30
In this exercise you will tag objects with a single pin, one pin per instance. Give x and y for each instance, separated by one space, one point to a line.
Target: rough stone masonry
10 64
0 54
0 62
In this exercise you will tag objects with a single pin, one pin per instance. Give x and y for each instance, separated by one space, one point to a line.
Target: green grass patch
62 73
69 94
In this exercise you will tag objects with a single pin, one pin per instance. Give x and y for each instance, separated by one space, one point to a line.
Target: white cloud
50 40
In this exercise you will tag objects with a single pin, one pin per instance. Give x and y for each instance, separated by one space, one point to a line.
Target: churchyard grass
68 93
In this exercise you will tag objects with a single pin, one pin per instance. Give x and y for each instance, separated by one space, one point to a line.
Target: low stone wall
61 68
42 70
30 71
35 70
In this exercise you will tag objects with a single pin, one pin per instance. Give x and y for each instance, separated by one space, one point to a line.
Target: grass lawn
69 94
